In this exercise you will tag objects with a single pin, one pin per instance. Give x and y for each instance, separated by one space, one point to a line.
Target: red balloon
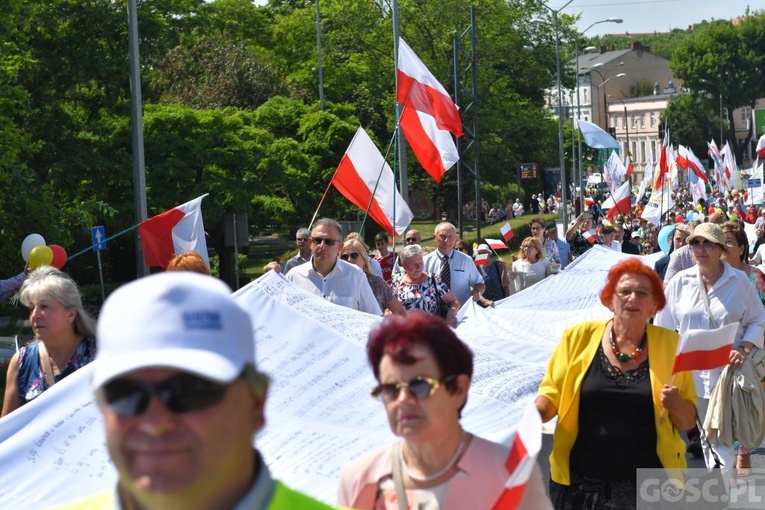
59 256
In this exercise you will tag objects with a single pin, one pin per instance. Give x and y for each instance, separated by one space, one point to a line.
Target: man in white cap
176 381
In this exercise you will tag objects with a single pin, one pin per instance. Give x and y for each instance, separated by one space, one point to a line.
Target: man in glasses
331 278
176 382
303 242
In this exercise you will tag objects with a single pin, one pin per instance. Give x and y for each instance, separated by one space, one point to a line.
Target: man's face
552 234
446 237
381 245
176 457
413 237
302 241
323 252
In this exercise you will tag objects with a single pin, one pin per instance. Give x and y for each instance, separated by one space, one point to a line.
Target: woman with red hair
610 383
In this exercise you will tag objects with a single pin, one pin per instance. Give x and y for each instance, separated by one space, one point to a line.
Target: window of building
653 119
642 150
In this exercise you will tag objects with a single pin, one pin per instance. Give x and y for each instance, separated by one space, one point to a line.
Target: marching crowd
182 398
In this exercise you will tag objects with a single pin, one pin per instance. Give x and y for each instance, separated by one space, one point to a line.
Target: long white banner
319 411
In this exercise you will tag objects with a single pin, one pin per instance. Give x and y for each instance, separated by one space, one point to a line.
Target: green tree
692 122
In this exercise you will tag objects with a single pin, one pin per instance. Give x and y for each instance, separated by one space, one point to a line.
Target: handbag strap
703 437
46 364
398 479
705 299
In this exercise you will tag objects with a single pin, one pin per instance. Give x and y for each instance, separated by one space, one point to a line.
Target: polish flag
496 244
166 235
729 160
481 259
619 202
588 201
522 459
430 117
687 159
704 349
364 178
761 147
507 232
663 163
591 236
629 165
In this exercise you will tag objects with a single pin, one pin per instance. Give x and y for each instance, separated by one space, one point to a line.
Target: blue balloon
665 234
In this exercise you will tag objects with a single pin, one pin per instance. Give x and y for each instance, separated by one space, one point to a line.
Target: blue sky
647 16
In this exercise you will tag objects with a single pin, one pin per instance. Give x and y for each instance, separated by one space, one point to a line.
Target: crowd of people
181 337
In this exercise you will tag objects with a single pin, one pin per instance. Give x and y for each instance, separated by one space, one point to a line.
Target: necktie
446 274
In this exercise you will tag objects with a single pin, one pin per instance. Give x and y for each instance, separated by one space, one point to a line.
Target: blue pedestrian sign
754 183
98 236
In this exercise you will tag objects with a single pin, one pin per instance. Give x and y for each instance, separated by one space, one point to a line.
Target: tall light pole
561 157
318 46
603 80
626 129
578 173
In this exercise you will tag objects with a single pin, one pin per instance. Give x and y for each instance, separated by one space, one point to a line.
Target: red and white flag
496 244
591 236
430 117
629 165
704 349
613 171
619 202
761 147
729 162
522 459
365 178
166 235
663 167
481 259
588 201
507 232
688 160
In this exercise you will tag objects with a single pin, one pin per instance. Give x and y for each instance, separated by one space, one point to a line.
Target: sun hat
180 320
708 231
483 247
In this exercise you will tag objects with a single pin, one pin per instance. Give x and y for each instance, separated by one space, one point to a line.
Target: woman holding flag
616 412
423 373
710 295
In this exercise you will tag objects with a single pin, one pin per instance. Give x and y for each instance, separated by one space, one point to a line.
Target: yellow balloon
40 256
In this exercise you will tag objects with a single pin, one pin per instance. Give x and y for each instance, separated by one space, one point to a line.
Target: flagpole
402 174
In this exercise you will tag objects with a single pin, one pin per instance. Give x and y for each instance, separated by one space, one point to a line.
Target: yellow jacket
562 383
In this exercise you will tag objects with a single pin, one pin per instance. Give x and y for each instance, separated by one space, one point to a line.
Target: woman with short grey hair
65 335
418 290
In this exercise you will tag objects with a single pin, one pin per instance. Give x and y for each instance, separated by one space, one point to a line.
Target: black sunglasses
346 256
411 240
302 239
318 240
182 393
419 387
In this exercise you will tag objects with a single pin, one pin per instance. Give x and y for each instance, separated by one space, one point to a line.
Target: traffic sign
754 183
98 237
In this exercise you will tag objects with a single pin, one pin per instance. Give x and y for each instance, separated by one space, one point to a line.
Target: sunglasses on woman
419 387
346 256
182 393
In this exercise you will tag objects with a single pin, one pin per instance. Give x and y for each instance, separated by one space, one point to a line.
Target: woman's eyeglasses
419 387
707 245
346 256
182 393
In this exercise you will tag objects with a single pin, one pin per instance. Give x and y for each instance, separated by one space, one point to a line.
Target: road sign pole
101 276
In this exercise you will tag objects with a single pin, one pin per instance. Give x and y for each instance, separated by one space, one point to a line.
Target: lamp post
578 173
626 129
603 80
561 157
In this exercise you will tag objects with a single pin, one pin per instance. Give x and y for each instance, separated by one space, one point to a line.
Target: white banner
319 412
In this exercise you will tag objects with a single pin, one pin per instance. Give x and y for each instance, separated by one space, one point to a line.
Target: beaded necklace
428 478
623 357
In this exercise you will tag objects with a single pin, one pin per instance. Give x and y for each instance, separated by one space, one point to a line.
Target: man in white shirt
331 278
463 278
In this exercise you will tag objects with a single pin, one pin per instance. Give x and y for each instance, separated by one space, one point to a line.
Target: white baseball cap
180 320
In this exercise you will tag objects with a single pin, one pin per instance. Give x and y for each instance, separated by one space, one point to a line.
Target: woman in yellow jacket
619 408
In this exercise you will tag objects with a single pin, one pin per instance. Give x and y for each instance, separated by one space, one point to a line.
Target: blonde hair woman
532 265
354 252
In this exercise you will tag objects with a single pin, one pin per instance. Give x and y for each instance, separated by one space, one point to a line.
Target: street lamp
561 158
580 178
603 80
626 128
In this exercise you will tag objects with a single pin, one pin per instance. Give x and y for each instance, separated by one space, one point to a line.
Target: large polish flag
174 231
704 349
496 244
430 117
365 178
688 160
619 202
522 459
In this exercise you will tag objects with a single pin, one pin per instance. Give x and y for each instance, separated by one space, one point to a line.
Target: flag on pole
698 189
704 349
429 117
614 170
619 202
659 204
688 160
591 236
507 232
481 259
174 231
364 178
628 164
714 155
761 148
595 137
663 166
729 163
522 459
496 244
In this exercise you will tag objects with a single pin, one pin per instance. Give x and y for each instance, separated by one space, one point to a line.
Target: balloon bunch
36 253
